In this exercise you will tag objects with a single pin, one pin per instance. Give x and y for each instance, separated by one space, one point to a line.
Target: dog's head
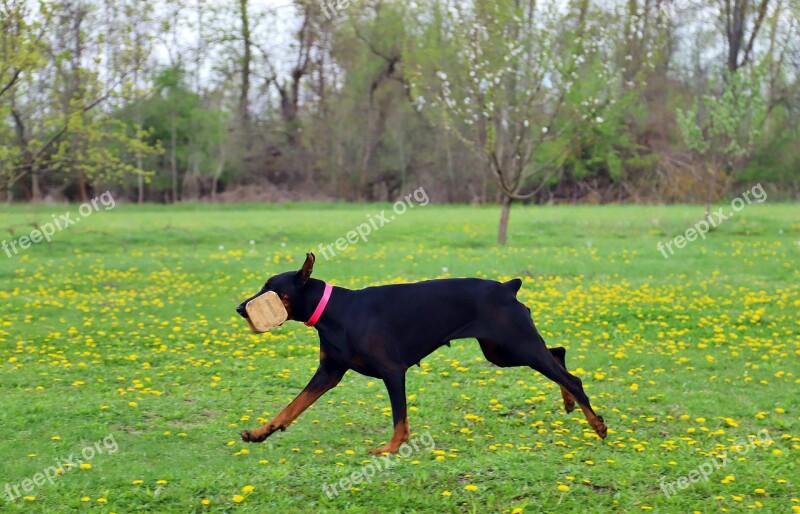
290 288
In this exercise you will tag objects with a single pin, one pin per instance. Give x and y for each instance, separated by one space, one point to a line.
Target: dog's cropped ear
307 268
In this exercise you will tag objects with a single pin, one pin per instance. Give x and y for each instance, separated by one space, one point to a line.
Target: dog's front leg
569 400
325 378
396 386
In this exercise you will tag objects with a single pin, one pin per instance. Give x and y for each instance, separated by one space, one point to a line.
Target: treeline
476 101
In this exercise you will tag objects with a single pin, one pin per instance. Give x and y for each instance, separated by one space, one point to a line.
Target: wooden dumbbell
265 312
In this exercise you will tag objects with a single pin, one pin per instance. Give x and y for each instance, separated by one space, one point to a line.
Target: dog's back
429 314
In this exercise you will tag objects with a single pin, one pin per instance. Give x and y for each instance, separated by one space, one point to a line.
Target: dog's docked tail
514 285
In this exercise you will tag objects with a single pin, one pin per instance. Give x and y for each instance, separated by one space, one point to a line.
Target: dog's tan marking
400 435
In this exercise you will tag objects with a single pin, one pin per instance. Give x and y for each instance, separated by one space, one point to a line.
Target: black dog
382 331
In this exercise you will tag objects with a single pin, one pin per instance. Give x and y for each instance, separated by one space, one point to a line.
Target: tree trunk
502 231
173 161
82 187
244 93
774 67
140 179
190 188
36 190
217 174
366 153
739 45
711 187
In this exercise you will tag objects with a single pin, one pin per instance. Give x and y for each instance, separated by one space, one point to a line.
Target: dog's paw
601 428
255 436
386 449
258 435
249 437
569 406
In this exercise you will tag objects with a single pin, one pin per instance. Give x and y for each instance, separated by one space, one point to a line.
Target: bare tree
739 37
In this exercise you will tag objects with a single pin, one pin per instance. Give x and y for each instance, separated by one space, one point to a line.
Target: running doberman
382 331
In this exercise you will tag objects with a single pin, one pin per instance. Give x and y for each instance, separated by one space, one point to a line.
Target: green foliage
528 99
55 121
183 122
725 125
101 147
547 96
603 146
21 53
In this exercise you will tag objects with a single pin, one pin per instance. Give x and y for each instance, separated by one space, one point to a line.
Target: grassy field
120 336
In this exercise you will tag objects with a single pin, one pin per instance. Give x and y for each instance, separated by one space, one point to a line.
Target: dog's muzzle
242 310
264 312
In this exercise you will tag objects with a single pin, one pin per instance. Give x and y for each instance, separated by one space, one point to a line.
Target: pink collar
323 302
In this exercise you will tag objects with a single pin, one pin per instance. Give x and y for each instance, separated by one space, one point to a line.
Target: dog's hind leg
507 351
500 356
569 400
497 354
555 372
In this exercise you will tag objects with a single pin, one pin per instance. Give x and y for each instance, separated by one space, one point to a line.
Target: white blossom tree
518 82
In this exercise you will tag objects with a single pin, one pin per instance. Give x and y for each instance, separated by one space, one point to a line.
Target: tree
65 84
723 128
247 49
735 13
513 78
193 129
22 51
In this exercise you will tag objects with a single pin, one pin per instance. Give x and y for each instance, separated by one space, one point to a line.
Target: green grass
124 326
